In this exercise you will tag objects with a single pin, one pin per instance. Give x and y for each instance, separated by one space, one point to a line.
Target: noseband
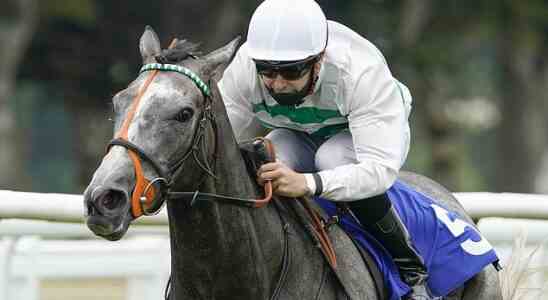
148 196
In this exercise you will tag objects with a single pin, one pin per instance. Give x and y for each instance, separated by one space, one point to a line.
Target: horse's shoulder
351 269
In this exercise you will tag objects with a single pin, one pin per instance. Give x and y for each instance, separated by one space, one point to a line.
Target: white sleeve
236 89
380 132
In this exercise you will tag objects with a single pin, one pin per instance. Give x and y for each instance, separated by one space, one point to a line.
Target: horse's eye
184 115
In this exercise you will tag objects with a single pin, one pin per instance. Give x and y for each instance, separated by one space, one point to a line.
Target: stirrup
420 292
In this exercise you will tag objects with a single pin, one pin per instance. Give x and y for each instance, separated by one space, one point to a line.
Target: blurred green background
477 70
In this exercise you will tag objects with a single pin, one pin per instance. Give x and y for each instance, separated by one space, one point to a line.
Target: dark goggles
288 70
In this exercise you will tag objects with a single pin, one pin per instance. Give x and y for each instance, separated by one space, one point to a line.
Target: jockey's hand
285 181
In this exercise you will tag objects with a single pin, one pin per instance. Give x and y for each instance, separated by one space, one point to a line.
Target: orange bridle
143 191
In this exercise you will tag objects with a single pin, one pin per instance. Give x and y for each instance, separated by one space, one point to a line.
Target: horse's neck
225 246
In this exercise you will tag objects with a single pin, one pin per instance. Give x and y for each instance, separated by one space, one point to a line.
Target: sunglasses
287 70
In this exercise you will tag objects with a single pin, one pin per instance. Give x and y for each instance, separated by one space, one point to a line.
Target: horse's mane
181 51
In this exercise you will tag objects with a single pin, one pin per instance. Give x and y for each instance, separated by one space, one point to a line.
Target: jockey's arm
235 88
378 120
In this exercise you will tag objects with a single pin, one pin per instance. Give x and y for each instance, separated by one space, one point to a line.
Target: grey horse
219 250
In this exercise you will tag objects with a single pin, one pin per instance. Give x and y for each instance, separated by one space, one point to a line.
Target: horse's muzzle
106 210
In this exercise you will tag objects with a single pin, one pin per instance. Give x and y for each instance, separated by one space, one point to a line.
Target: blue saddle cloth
453 250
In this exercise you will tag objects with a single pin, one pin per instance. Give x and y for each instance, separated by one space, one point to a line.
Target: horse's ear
217 60
149 45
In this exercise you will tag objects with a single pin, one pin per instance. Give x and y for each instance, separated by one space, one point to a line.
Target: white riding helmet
287 30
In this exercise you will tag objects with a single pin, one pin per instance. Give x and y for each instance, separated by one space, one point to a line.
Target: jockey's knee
330 156
338 150
293 149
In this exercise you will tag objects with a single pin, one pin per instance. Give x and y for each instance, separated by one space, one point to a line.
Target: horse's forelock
182 50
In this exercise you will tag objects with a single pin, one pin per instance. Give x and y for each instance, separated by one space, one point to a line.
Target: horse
172 133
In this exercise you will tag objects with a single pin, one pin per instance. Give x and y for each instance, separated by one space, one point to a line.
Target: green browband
175 68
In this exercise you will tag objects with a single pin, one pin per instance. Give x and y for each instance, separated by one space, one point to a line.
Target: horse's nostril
111 199
91 209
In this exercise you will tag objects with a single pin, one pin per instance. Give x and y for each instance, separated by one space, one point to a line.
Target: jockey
339 118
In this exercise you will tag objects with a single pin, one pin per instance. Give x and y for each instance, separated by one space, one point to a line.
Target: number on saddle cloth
256 153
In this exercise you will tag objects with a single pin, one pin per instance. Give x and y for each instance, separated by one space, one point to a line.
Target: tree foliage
476 69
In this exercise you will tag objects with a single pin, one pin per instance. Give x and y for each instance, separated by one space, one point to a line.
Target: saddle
259 151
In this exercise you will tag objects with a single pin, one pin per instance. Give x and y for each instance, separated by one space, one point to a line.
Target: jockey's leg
390 231
379 218
295 149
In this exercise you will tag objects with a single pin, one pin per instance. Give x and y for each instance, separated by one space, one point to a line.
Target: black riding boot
390 231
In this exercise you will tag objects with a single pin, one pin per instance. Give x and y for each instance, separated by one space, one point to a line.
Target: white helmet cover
287 30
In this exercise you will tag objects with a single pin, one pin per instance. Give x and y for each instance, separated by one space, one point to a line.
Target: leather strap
319 231
129 145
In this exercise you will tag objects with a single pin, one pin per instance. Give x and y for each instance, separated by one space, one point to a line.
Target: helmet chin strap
295 98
